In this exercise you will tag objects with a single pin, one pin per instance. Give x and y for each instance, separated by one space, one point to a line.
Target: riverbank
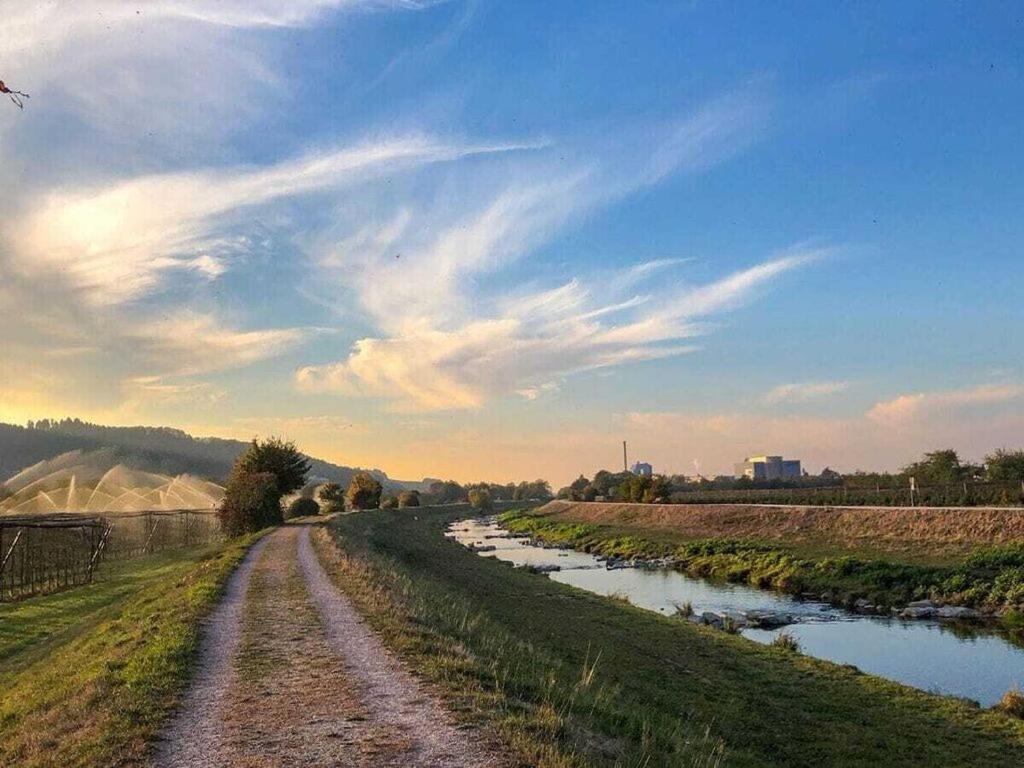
568 678
802 552
89 674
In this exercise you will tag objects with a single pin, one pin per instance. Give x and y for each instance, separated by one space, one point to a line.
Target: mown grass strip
97 693
572 679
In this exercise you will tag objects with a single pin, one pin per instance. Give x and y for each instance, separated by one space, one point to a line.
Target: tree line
270 470
940 478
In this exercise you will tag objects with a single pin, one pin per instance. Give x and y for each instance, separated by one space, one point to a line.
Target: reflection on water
979 665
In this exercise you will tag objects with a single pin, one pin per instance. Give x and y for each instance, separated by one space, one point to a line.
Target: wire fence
46 553
963 494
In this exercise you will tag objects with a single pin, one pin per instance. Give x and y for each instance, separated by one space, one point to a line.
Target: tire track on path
388 690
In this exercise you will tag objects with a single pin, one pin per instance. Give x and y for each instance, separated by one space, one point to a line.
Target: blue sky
483 239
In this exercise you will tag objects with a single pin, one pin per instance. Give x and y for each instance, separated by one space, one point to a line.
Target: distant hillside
150 449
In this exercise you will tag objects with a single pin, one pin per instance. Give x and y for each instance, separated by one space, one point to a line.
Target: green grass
990 577
89 675
573 679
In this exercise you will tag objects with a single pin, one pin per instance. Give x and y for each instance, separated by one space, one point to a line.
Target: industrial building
768 468
643 468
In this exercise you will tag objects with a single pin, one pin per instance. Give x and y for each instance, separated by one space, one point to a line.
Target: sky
491 240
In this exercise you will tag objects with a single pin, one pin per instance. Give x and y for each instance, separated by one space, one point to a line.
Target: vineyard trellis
45 553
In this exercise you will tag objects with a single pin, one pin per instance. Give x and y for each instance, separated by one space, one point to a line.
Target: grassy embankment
568 678
889 557
88 676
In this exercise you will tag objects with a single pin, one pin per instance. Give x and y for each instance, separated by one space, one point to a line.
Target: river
939 657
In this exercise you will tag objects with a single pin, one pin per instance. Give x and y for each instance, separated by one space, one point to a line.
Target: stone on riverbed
614 563
482 548
769 619
918 612
543 568
957 612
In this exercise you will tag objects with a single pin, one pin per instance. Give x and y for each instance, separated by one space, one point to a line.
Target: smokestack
625 463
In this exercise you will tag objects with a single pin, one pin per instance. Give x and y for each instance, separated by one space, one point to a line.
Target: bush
408 499
480 500
251 501
303 507
389 502
332 498
363 491
1012 703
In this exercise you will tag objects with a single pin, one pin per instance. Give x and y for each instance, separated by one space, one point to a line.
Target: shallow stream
941 657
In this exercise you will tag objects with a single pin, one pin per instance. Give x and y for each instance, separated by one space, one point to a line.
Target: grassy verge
990 577
572 679
89 675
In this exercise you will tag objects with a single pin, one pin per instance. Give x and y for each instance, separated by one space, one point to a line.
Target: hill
160 450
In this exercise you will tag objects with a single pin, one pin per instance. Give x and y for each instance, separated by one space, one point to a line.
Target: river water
934 656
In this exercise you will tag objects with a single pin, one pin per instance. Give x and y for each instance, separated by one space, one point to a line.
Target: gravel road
290 675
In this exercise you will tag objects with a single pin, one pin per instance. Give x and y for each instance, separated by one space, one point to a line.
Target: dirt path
289 675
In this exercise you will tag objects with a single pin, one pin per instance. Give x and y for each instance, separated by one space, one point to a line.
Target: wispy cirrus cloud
802 392
115 243
449 341
548 336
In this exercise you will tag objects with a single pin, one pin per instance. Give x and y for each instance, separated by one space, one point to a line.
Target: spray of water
94 481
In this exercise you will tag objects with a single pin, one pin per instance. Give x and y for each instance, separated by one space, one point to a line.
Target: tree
408 499
251 501
657 491
446 492
363 491
937 468
332 497
281 459
1005 467
480 500
389 502
303 507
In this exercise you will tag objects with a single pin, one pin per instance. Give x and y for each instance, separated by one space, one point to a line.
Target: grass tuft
786 642
1012 703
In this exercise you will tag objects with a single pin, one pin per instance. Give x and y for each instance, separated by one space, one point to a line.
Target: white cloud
909 408
32 26
802 392
190 343
541 338
115 243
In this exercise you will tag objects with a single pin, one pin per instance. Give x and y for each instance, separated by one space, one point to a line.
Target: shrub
332 497
786 642
480 500
389 502
363 491
1012 703
303 507
408 499
251 501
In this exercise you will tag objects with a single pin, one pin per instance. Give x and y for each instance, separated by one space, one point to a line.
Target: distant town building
830 474
768 468
643 468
